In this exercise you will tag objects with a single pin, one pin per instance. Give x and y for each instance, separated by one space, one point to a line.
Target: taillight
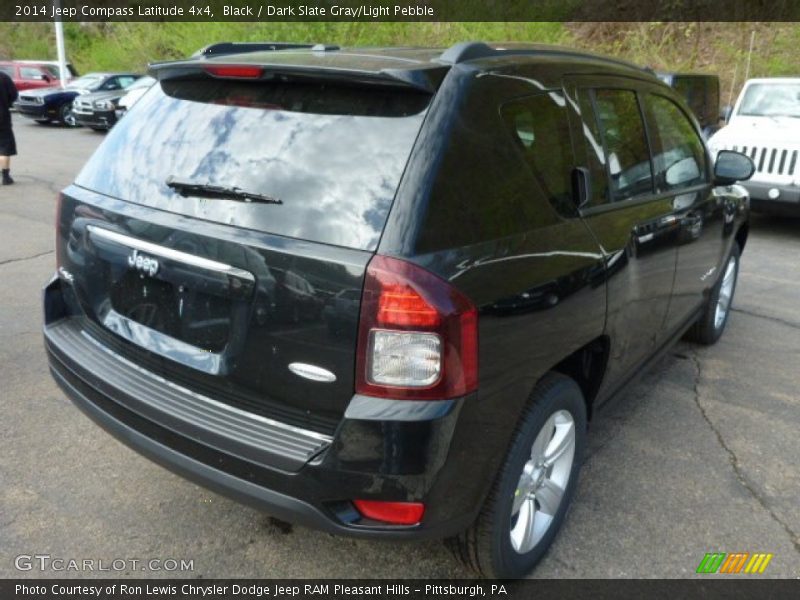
234 71
417 336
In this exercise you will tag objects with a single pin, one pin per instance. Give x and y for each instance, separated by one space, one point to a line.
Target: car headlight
104 105
39 100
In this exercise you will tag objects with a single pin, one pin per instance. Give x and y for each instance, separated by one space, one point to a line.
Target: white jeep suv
765 125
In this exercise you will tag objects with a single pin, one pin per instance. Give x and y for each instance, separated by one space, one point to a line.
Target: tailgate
258 321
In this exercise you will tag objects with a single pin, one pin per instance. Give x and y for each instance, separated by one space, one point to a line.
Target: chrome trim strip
367 408
312 372
163 344
169 253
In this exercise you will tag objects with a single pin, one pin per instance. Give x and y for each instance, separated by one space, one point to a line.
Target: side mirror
732 167
725 113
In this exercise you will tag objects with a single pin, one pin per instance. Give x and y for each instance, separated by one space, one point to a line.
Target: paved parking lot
701 455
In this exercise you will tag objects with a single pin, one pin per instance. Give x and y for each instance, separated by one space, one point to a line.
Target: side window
540 129
7 70
126 81
595 154
679 157
623 132
111 84
30 73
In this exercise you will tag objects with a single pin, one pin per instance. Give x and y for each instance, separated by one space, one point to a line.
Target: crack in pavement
734 460
24 258
751 313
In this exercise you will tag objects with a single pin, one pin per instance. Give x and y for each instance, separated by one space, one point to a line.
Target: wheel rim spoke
562 441
543 440
522 537
725 293
549 496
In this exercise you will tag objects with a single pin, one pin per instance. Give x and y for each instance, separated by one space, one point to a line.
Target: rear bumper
763 198
288 475
277 504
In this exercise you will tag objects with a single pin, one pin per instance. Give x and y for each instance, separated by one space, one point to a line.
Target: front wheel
711 324
529 500
66 116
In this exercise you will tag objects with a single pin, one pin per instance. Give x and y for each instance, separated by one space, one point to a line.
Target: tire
709 327
66 117
487 546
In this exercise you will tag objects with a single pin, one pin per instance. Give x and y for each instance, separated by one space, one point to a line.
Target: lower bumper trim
279 505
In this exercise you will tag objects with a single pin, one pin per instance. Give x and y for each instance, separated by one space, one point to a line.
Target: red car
33 74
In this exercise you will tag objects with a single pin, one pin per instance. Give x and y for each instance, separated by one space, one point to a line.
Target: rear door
633 223
227 296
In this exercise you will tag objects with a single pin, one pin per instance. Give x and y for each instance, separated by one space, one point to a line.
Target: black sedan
98 109
55 104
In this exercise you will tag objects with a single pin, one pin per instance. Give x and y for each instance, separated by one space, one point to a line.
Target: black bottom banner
245 589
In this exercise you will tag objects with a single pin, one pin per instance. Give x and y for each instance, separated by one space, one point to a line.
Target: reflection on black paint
336 174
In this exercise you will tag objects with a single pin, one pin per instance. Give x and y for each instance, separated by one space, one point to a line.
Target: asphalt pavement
700 455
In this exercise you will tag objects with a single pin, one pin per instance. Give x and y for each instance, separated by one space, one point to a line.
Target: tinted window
679 155
593 148
540 129
333 154
626 143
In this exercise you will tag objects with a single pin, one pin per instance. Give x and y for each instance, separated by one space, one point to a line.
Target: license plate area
194 317
182 306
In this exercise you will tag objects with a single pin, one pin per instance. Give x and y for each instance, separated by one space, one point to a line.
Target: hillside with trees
720 48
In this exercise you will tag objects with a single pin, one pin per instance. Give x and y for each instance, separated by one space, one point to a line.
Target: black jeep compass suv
380 292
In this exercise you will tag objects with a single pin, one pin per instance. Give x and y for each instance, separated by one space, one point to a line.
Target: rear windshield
332 154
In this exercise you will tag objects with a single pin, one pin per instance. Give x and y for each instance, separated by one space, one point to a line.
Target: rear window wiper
208 190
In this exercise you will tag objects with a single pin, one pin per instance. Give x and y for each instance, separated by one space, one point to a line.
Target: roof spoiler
425 79
466 51
222 48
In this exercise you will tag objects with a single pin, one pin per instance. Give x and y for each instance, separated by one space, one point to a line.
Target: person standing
8 145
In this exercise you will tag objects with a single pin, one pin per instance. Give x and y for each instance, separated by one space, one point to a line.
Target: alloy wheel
725 293
543 482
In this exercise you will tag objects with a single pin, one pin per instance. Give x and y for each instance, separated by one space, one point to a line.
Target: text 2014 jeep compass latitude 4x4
381 292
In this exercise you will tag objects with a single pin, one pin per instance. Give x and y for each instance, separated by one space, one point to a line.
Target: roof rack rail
466 51
223 48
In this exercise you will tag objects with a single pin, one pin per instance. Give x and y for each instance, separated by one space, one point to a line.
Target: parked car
765 125
440 185
98 110
33 74
55 104
701 93
132 94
